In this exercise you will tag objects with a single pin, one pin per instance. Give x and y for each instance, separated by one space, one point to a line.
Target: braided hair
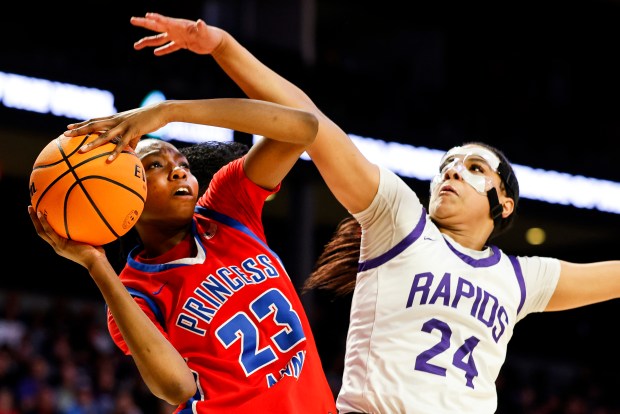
206 158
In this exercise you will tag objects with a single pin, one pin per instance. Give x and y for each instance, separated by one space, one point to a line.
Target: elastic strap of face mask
496 207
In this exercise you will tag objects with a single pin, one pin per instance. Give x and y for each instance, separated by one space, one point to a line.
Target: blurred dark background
536 79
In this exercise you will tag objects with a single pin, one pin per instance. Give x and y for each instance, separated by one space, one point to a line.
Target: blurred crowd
56 357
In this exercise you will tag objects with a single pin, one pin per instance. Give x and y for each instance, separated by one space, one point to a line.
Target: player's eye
152 165
445 163
476 168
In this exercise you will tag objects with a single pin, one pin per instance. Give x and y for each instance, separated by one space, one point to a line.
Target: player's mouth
183 191
447 189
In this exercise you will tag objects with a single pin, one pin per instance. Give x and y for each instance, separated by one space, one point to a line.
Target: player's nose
178 173
453 171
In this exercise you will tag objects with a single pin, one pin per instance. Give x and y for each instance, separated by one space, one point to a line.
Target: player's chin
440 211
185 203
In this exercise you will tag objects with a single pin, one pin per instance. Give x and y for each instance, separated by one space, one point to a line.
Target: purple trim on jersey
486 262
155 268
231 222
151 304
520 279
398 248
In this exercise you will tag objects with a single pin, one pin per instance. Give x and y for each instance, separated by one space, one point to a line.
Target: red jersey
231 310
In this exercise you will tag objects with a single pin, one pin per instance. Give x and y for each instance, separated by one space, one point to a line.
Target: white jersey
431 320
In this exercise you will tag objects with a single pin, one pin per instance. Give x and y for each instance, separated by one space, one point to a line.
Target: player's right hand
123 129
81 253
175 34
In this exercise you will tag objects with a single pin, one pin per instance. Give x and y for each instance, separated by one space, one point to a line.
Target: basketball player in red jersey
204 307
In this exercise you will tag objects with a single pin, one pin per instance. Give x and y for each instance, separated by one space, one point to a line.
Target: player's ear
508 207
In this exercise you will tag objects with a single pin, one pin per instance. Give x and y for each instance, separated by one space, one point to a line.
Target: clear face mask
473 164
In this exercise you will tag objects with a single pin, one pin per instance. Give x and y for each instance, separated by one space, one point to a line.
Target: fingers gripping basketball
84 197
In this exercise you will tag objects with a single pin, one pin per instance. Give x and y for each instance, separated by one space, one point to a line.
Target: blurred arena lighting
78 102
60 99
534 183
535 236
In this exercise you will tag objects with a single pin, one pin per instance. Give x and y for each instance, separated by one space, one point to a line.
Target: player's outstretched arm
582 284
290 131
350 176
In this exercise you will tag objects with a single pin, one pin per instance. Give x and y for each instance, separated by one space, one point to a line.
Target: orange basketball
83 196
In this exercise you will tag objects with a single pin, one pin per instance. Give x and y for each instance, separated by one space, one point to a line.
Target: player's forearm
161 366
257 80
332 152
252 116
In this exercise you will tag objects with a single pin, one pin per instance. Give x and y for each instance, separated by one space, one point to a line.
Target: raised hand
175 34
